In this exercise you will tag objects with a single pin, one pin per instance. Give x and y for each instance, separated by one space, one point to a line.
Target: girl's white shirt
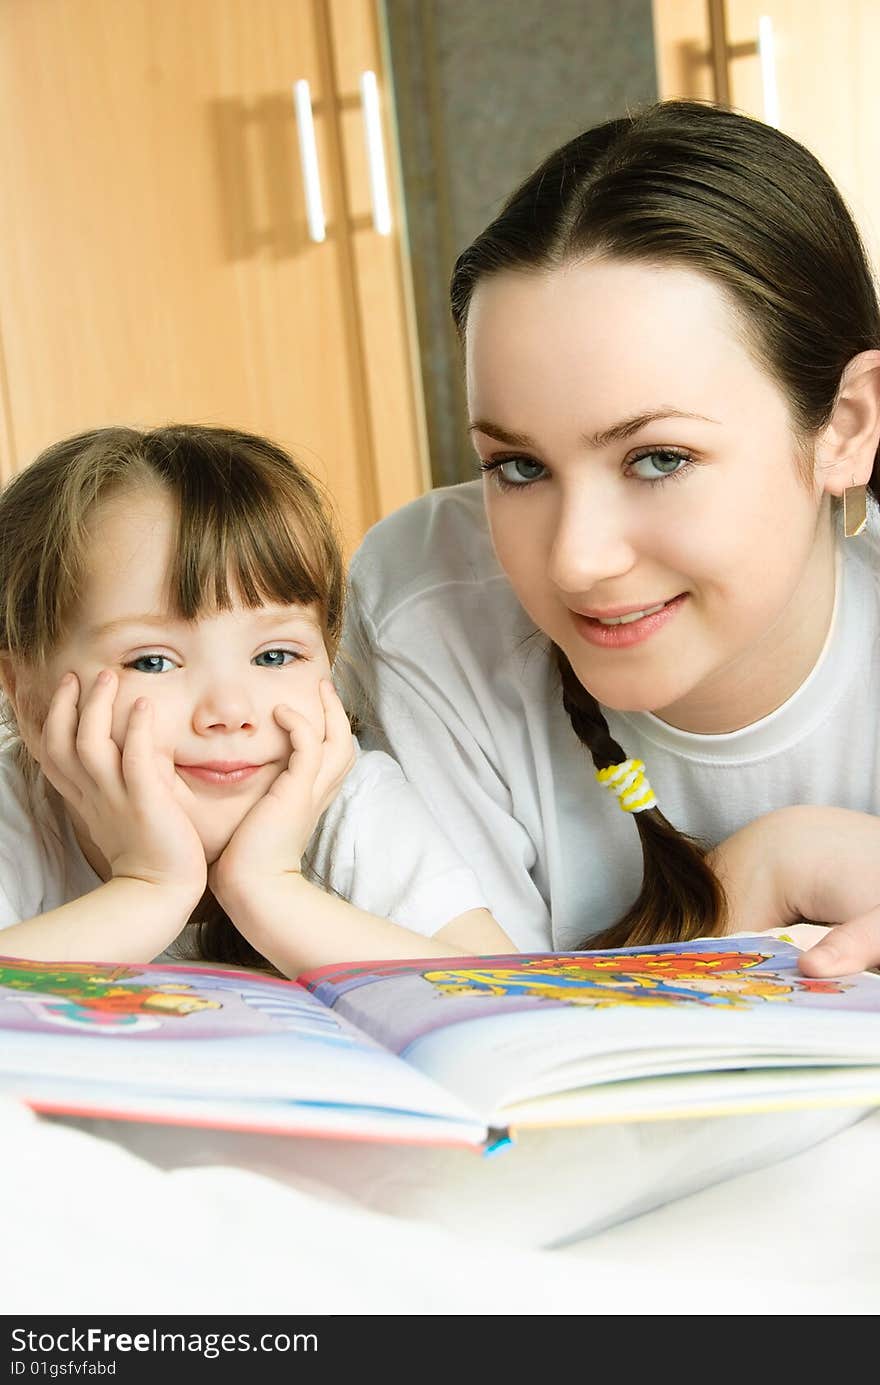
376 846
451 677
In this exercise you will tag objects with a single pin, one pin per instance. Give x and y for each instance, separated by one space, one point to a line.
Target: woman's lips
632 632
225 775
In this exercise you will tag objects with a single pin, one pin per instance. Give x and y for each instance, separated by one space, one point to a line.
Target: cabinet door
380 270
816 78
818 84
155 258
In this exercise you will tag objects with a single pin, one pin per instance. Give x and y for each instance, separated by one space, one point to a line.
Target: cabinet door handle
308 151
767 55
375 154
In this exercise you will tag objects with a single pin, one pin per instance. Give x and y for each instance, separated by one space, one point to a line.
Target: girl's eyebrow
273 616
617 431
108 627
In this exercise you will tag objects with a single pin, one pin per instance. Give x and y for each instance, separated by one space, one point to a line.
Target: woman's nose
590 546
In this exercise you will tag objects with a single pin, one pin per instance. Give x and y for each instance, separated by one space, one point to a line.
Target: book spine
496 1140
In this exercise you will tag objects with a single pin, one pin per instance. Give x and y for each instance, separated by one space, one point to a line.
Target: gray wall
484 89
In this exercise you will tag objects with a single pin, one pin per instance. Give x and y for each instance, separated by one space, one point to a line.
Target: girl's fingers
95 747
339 746
337 725
317 766
139 768
58 757
305 754
298 727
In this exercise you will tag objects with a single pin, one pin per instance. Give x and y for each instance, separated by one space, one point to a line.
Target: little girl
180 767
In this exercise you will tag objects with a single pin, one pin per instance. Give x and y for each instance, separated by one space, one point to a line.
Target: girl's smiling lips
221 771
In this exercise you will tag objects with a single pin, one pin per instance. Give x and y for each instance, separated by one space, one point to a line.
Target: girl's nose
590 546
224 707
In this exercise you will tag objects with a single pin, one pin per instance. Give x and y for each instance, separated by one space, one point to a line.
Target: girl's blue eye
514 471
660 462
275 658
151 661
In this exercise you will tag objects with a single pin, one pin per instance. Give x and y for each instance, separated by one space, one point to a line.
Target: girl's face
213 683
638 460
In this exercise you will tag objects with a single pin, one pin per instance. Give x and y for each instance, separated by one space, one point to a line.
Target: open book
457 1050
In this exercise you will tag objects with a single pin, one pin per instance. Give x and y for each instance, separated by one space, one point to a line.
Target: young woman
673 367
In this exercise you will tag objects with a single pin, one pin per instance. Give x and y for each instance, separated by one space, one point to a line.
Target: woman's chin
621 698
632 692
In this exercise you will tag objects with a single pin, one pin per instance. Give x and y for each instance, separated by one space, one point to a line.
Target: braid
680 897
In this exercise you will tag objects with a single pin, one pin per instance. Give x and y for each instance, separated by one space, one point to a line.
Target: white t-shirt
376 846
451 676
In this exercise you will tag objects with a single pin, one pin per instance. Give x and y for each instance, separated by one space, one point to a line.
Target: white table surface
106 1218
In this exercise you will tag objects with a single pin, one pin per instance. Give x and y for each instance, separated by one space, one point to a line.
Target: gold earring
855 509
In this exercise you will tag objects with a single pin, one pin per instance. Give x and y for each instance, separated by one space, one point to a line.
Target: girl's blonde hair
251 525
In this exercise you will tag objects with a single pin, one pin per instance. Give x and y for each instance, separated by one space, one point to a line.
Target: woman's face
638 459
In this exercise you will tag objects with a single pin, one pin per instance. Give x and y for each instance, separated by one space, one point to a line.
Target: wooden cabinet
155 255
808 66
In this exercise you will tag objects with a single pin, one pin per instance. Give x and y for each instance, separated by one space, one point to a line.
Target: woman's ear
847 447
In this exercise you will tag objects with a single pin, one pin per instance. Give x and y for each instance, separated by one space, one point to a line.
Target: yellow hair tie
628 781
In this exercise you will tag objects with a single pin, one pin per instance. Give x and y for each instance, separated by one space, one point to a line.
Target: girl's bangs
224 558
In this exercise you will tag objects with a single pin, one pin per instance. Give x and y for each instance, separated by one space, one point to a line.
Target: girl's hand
272 838
129 800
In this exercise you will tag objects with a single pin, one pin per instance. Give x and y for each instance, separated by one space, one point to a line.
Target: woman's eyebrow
494 430
615 433
627 426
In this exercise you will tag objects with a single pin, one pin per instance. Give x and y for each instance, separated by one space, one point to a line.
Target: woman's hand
272 838
804 863
853 946
129 800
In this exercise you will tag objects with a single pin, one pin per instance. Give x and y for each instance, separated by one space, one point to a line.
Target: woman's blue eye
517 471
151 661
659 463
275 658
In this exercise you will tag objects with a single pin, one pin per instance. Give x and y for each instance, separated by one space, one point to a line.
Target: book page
200 1041
500 1031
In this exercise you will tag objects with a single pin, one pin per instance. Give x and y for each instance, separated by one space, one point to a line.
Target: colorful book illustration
462 1050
